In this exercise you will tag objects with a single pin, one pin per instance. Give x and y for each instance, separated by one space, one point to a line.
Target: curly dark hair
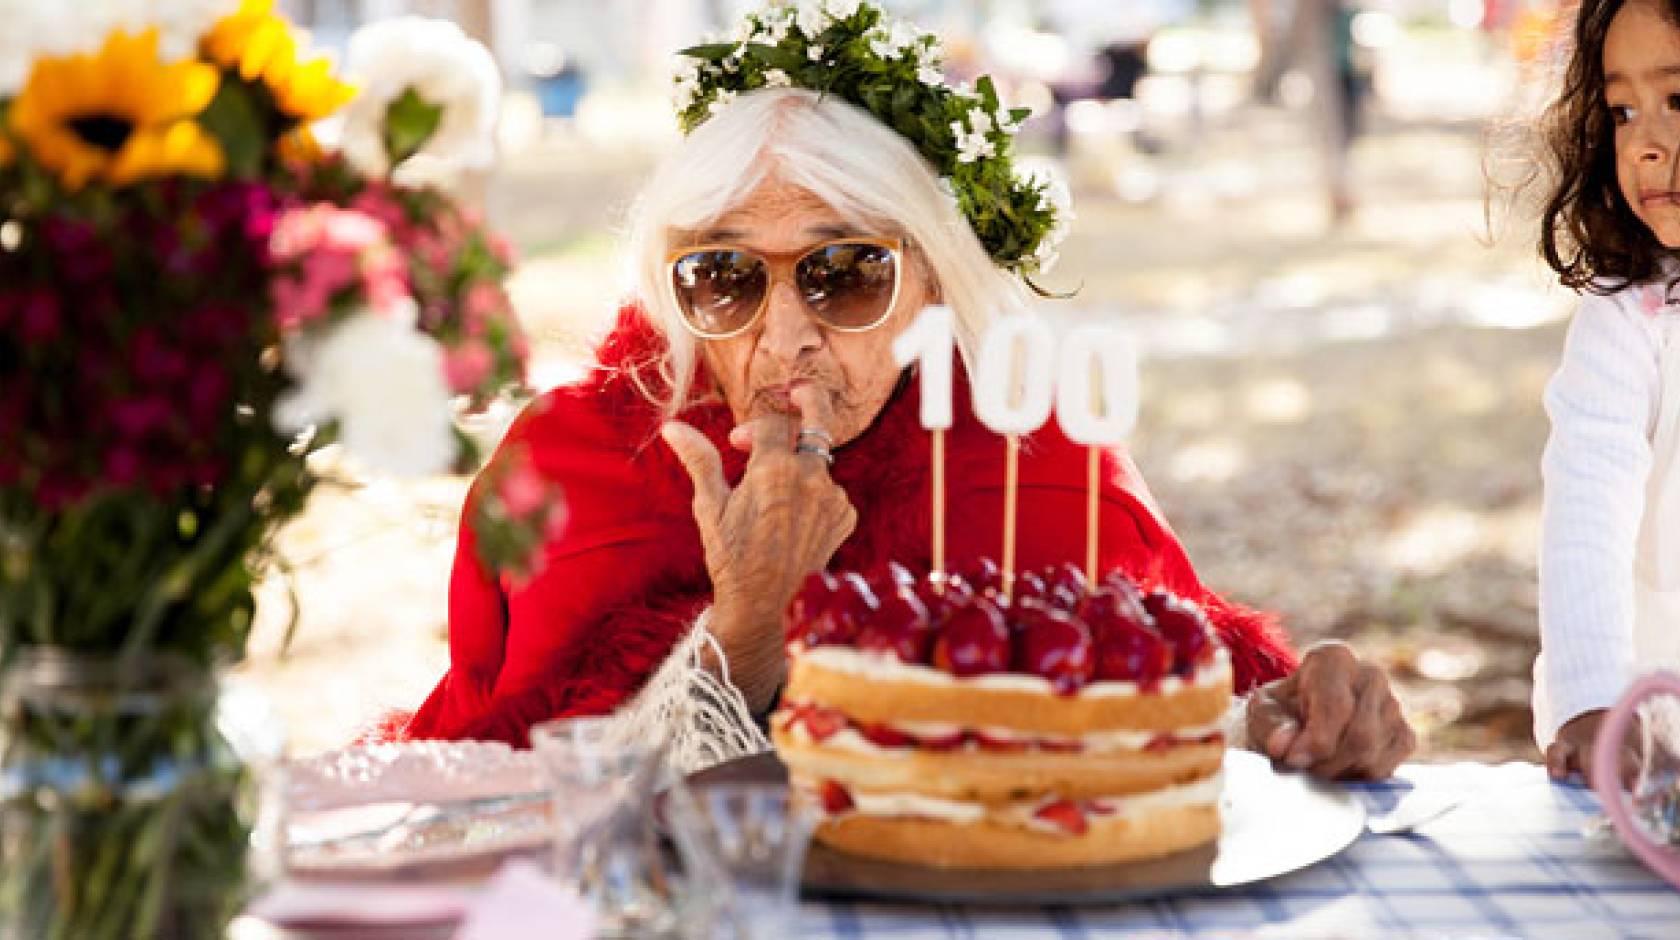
1589 234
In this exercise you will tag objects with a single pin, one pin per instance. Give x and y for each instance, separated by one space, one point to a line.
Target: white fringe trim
703 718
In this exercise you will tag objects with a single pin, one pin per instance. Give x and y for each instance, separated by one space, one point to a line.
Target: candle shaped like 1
1013 392
928 341
1097 405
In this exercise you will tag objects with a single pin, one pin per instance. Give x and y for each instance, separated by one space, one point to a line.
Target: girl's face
1642 91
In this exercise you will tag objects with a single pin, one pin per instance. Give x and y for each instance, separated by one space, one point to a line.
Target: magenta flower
466 366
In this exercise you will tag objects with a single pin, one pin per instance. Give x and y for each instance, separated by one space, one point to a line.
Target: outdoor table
1515 856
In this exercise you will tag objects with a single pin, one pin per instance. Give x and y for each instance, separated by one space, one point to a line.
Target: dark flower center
105 131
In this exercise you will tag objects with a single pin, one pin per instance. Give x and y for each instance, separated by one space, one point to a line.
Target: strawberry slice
1160 744
945 742
885 736
822 723
1006 745
835 799
1064 814
1061 747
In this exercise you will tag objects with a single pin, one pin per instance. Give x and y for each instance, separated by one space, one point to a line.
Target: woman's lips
780 397
1659 197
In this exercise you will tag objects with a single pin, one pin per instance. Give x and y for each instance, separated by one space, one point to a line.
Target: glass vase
124 810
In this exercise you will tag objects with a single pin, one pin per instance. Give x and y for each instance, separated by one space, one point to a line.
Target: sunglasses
848 284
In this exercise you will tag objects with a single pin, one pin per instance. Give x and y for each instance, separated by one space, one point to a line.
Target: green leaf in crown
891 69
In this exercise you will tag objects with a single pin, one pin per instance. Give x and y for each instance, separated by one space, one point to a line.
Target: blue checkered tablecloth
1518 858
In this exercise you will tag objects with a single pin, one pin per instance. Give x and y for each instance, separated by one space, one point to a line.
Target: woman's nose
788 329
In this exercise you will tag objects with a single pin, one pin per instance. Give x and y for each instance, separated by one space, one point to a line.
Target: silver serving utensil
419 816
1414 809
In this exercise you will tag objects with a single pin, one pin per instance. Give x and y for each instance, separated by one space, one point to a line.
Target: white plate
388 808
1274 823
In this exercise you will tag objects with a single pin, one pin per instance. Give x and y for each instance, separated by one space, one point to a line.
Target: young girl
1610 542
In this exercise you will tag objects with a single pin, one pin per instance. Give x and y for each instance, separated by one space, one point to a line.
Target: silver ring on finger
806 447
817 435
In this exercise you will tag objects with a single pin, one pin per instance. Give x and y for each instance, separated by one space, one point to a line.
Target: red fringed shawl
627 577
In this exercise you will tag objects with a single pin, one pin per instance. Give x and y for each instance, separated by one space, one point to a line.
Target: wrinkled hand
1572 751
784 520
1334 717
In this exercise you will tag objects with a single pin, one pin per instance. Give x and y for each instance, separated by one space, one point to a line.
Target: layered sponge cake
942 724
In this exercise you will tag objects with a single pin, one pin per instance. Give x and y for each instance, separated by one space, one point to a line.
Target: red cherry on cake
810 605
899 626
982 574
1052 644
1184 626
1130 650
1116 599
889 576
1067 578
975 641
941 603
1030 585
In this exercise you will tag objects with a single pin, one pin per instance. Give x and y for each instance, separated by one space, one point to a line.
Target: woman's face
1642 91
758 370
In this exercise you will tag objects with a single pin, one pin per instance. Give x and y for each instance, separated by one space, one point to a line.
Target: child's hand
1572 752
1335 717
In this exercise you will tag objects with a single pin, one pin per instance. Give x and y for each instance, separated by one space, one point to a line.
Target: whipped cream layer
849 738
884 666
1204 792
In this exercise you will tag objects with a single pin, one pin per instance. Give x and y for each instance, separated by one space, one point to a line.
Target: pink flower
484 301
384 279
467 366
501 248
522 489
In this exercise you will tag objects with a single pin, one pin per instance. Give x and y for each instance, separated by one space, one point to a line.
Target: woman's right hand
784 520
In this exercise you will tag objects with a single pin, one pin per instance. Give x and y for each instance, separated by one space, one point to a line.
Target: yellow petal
182 148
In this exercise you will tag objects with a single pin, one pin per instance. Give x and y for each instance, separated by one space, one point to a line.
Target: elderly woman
745 425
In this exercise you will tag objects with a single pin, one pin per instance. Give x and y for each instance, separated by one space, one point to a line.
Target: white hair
872 177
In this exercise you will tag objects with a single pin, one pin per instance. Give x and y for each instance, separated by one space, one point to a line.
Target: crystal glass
605 842
752 837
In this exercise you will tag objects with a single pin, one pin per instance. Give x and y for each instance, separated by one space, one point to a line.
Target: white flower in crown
841 9
814 52
776 78
893 42
1054 196
811 18
383 381
930 75
724 99
445 69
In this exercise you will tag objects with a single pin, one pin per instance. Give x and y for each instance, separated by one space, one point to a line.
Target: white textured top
1603 404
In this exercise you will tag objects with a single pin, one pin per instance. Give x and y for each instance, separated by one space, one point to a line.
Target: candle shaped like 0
929 342
1097 405
1013 393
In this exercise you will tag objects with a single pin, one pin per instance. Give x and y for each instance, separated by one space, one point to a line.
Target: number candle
1097 403
928 341
1013 390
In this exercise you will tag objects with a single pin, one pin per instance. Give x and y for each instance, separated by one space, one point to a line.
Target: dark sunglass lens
719 291
849 284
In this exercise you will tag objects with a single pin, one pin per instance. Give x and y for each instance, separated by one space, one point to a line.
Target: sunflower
258 45
119 115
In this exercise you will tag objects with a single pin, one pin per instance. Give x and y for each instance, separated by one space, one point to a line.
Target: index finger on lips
815 412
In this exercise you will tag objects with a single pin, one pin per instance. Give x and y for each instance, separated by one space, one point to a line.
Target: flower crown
892 70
